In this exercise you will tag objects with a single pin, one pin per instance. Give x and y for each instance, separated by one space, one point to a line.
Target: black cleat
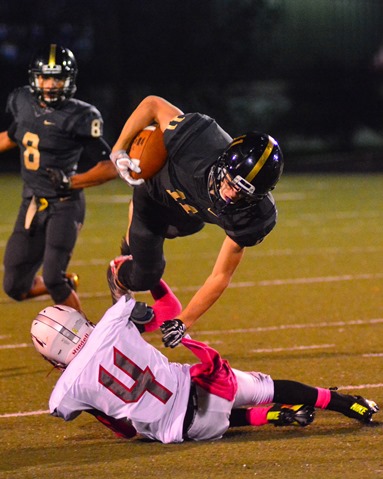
360 408
287 415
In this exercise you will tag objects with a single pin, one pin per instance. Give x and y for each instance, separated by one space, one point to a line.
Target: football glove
61 182
172 332
124 165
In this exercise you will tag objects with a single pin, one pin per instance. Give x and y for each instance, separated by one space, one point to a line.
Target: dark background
309 72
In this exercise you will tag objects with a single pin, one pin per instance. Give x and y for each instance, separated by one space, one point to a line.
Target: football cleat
291 415
117 289
73 280
360 408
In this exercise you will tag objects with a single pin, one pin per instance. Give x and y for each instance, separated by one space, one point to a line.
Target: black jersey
194 142
49 137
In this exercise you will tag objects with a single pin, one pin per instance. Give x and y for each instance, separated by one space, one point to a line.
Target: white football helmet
59 332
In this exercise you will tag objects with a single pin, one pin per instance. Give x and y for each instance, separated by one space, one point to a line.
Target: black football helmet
252 164
53 61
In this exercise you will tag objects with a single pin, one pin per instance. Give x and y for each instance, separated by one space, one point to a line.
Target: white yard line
294 348
281 327
246 284
321 324
15 346
23 414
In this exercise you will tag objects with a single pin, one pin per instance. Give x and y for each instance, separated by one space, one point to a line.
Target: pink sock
166 306
324 397
256 416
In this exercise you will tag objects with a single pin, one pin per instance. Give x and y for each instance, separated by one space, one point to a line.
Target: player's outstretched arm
98 150
102 172
227 261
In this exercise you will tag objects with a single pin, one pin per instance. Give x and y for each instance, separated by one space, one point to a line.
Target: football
148 147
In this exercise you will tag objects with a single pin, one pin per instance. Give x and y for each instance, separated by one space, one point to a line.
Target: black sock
293 392
340 402
238 418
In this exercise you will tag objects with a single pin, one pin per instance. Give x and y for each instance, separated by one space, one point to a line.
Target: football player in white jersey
111 372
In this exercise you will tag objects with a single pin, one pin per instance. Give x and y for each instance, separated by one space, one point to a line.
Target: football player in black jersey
208 178
52 130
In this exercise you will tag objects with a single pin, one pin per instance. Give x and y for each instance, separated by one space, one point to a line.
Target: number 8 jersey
49 137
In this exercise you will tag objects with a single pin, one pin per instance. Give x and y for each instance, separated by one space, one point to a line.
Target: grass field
306 304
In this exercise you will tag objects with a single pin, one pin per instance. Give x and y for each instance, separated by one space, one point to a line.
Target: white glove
124 165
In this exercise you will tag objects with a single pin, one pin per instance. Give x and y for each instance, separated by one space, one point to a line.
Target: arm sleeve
99 168
96 149
10 110
166 306
12 130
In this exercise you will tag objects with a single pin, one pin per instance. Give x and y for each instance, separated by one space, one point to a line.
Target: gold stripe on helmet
262 160
52 55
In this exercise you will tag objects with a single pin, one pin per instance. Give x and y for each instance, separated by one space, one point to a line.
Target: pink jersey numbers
144 381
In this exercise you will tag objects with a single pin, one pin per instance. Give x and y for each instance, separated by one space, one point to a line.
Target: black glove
172 332
61 182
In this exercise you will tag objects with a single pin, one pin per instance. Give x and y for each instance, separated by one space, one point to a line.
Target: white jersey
119 373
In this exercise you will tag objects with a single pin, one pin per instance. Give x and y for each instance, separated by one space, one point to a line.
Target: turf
306 304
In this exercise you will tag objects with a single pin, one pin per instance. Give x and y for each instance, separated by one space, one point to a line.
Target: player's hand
61 182
172 332
124 165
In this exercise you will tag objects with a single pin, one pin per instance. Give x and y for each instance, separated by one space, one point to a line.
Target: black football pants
48 243
152 223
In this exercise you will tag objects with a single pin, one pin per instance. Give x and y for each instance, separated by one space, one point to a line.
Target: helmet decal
68 334
52 56
52 68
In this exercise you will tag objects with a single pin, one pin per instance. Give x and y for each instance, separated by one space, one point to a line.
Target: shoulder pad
82 106
85 119
17 96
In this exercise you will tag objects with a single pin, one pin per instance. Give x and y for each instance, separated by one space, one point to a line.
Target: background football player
111 372
208 178
52 131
